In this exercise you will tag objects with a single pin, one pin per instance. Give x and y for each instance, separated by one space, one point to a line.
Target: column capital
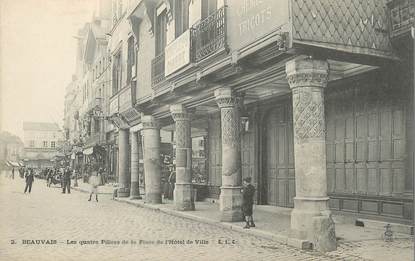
225 97
179 112
149 122
306 72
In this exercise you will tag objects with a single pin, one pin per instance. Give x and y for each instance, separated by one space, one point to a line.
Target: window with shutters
209 7
181 14
116 73
130 59
157 64
161 32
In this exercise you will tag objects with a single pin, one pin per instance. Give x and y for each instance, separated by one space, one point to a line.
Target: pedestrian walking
49 176
67 172
94 181
12 173
29 180
248 193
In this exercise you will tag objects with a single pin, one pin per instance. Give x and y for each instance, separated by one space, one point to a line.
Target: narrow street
79 227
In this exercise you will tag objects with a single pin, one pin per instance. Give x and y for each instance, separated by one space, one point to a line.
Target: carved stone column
123 174
152 167
311 217
135 144
230 196
183 199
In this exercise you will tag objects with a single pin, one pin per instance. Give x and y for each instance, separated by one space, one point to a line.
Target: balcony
402 15
209 36
157 70
201 41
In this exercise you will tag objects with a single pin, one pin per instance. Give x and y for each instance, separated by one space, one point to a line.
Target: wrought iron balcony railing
402 17
157 70
209 35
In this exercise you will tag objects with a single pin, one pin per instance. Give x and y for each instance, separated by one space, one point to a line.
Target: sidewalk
273 223
85 187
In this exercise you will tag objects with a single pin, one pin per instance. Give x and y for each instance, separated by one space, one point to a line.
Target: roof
9 138
41 126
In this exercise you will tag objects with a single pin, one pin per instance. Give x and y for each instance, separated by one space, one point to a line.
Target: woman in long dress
94 181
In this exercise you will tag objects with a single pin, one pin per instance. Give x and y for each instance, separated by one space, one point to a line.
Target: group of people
62 175
248 190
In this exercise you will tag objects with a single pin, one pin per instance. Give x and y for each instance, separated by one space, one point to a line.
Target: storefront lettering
255 20
247 6
177 53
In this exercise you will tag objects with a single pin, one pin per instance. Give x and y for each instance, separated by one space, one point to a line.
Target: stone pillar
152 167
124 177
135 143
230 196
183 199
311 217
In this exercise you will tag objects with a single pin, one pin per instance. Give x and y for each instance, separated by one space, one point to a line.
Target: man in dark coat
49 176
172 182
67 180
29 180
248 202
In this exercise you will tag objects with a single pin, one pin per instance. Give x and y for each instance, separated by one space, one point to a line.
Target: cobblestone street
47 214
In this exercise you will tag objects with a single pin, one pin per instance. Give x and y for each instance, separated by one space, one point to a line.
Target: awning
13 164
88 151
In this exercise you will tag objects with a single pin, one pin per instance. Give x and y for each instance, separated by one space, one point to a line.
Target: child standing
94 183
248 202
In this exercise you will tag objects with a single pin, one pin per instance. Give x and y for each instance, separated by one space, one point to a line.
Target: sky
37 58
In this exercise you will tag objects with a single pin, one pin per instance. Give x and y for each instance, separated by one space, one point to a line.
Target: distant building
11 150
41 143
87 96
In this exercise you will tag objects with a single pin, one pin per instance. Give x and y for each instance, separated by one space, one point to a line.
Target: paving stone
48 214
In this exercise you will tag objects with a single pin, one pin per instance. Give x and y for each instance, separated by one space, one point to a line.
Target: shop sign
249 20
177 53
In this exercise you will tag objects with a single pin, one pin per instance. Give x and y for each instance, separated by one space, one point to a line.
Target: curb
87 191
294 242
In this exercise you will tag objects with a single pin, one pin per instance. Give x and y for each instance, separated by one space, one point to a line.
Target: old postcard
207 130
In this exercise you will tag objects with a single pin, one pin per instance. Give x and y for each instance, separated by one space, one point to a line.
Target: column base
123 192
135 191
183 197
311 220
230 203
153 198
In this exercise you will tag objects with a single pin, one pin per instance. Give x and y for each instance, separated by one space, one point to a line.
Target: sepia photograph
207 130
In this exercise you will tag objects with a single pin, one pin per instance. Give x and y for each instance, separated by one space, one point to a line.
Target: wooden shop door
279 157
